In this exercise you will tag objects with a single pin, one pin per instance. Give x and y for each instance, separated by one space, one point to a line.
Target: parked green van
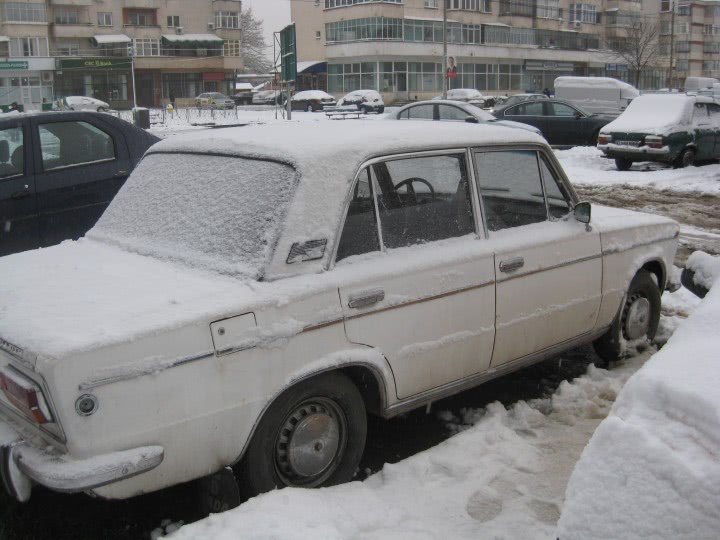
677 129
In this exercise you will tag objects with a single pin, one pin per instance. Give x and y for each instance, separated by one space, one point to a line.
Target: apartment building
54 48
498 46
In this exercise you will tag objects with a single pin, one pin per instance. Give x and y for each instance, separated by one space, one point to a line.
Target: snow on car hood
621 229
655 114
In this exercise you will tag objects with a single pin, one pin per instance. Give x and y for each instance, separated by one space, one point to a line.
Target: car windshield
214 212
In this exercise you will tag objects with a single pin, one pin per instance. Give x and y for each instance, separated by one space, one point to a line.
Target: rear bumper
22 465
639 153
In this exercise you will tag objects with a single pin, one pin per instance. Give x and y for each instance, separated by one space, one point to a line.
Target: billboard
288 54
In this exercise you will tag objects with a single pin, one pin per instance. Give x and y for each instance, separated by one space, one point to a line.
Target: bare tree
252 43
640 47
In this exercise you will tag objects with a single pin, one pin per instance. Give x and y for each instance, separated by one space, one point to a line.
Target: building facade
55 48
497 46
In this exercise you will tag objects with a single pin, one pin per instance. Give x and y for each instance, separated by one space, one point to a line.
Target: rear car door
528 112
548 266
714 111
81 164
18 210
423 292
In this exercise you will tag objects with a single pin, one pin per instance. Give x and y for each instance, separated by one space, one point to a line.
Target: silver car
214 100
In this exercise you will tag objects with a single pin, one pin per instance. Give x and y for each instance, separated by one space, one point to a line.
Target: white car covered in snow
315 275
84 103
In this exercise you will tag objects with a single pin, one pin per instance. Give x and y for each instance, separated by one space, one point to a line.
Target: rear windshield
215 212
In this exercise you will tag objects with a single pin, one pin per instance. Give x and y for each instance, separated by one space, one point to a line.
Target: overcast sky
275 15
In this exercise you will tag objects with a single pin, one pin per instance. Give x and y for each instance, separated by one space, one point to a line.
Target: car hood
621 229
512 124
82 295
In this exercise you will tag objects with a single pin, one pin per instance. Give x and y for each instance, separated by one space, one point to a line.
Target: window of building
173 21
582 13
23 12
681 65
682 46
318 34
711 48
548 9
231 47
146 46
711 29
29 46
227 19
524 8
511 189
470 5
140 17
342 3
665 5
684 10
431 3
67 48
682 27
105 18
66 15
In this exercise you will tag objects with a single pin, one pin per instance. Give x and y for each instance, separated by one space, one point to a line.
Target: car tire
329 404
309 108
364 110
381 109
623 164
685 159
636 323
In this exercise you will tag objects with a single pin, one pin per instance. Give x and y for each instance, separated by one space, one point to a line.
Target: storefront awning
4 39
102 39
193 39
312 66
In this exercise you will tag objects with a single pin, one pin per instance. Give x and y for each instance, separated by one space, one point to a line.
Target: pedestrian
546 91
172 99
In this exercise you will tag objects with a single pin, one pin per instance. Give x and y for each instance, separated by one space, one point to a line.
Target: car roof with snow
656 114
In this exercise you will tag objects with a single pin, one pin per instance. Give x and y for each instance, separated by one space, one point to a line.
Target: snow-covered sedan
84 103
311 101
252 294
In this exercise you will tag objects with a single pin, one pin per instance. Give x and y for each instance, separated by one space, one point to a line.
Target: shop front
105 78
27 82
541 74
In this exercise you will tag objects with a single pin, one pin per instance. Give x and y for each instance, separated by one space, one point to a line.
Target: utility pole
131 54
671 75
446 80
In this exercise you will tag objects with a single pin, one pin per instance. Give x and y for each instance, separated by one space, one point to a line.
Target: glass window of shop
495 77
381 76
107 85
182 85
28 89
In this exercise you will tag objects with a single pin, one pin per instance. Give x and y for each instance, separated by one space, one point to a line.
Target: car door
548 266
714 112
423 291
529 112
81 164
18 209
704 132
566 125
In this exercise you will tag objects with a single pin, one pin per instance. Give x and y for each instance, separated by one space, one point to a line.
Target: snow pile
652 468
706 268
654 114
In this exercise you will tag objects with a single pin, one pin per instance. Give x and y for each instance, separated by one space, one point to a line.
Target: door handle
120 174
510 265
20 194
366 298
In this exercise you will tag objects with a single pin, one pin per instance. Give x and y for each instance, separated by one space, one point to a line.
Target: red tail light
25 395
364 100
604 138
654 141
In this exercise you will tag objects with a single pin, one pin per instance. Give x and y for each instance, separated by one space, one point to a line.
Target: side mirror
471 120
582 212
578 115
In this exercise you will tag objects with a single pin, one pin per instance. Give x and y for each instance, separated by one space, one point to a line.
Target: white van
596 94
693 84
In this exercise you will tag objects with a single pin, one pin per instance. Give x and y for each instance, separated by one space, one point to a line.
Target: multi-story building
55 48
498 46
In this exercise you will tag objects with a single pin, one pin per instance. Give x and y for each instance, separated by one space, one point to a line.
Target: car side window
421 112
714 111
558 199
700 114
423 199
64 144
560 109
449 112
12 162
530 108
360 234
510 188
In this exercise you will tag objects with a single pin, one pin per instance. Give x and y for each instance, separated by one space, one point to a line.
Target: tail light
364 100
604 138
25 395
654 141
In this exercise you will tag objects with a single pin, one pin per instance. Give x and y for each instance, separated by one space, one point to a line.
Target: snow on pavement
503 476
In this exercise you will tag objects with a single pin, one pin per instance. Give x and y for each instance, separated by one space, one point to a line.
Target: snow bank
652 468
706 268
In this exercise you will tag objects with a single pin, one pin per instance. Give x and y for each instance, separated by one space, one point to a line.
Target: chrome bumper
21 465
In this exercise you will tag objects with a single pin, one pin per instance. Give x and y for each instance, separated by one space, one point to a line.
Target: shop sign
14 65
95 63
213 76
540 65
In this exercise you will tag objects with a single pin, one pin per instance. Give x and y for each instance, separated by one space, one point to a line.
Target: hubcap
310 442
637 318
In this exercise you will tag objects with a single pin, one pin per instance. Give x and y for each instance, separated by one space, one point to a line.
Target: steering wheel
411 190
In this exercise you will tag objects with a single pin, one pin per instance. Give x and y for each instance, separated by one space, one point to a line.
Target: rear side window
530 108
12 161
64 144
511 188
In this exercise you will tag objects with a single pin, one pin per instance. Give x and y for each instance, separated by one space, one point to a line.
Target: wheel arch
657 268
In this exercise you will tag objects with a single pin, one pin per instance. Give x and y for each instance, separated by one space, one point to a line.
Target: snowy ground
504 475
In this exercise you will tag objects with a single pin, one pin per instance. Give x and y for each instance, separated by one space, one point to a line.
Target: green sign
14 65
288 54
95 63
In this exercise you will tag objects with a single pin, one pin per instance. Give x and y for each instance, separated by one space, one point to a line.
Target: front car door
422 293
82 163
18 210
548 266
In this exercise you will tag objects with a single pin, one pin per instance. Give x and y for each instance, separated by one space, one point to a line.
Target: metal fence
191 115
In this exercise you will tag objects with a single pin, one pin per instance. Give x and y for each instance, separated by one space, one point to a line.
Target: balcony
71 2
141 4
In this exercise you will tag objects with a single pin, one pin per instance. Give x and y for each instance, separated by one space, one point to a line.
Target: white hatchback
248 298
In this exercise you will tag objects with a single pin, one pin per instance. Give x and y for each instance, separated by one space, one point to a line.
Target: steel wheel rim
636 323
310 443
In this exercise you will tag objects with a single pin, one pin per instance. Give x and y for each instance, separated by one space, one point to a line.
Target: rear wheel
635 324
623 164
686 159
312 435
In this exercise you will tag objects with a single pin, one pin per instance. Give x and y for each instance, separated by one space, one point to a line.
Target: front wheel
686 159
312 435
381 109
636 323
623 164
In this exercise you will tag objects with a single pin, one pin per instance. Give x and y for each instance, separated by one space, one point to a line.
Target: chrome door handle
510 265
366 298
